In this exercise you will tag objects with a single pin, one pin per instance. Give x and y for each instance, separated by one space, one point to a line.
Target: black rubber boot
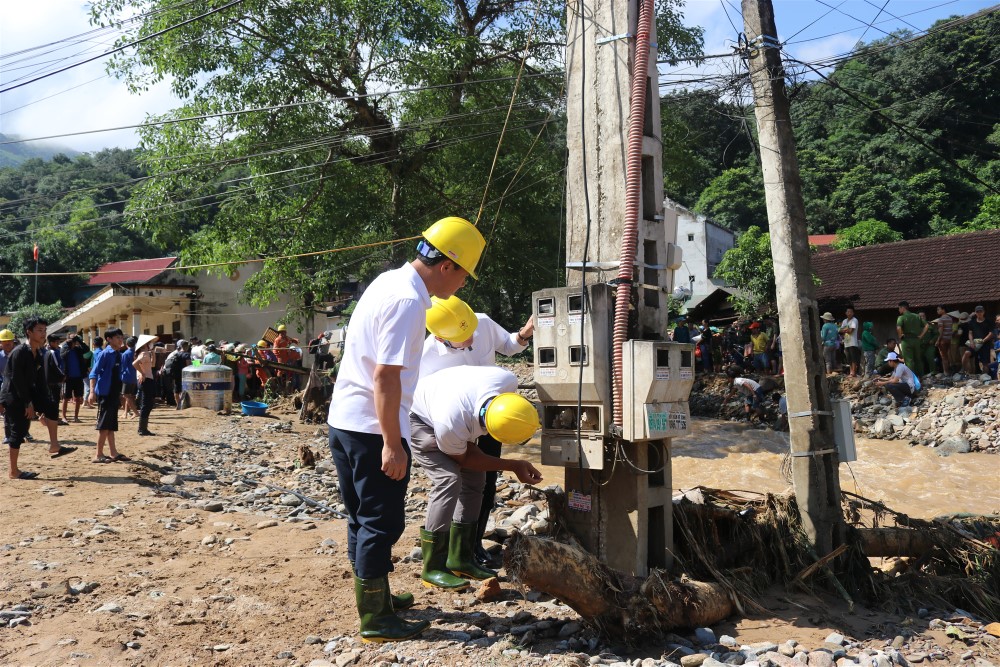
435 551
461 542
379 622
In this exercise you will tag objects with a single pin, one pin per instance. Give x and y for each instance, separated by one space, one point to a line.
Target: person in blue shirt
105 390
830 335
129 385
75 365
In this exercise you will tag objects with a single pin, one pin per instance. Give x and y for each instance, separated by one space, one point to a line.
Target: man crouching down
451 410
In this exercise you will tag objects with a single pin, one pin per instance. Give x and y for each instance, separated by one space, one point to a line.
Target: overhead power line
136 42
224 114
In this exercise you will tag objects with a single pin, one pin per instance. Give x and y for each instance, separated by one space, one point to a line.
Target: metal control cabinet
843 431
572 372
656 382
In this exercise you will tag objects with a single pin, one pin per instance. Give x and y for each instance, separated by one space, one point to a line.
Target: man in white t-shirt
451 410
369 412
753 395
850 330
461 337
902 384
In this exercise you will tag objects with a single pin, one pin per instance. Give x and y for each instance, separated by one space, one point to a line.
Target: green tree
735 199
867 232
332 159
988 217
748 266
48 312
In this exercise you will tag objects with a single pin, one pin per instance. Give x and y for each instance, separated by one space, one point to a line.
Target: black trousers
899 390
375 503
491 447
147 396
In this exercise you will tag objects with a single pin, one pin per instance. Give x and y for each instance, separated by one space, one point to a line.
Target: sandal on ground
26 475
102 459
119 457
63 451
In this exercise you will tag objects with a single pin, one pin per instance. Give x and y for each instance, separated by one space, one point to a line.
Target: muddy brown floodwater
912 480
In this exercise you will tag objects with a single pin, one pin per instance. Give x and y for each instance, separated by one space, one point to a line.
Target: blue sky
84 99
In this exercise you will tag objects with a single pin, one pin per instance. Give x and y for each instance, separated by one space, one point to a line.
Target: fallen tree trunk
613 602
894 541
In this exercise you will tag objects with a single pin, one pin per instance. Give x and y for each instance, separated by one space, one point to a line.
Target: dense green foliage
749 266
906 133
866 232
50 312
341 157
73 210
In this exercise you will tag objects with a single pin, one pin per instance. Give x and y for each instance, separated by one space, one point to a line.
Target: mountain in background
12 155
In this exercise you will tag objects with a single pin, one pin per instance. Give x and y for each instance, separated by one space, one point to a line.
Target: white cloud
49 106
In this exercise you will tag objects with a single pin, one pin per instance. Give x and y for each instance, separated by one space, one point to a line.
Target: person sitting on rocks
902 384
753 394
451 410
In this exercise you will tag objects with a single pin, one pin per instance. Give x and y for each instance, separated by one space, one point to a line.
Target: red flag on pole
36 252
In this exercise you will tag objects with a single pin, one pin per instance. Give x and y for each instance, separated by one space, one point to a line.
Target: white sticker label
545 322
575 318
662 374
546 372
579 502
687 374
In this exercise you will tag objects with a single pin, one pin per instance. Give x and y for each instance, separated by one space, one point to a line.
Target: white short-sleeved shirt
905 375
387 328
746 384
851 339
488 339
450 400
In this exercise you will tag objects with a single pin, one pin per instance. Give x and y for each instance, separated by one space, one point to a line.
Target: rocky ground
952 413
217 545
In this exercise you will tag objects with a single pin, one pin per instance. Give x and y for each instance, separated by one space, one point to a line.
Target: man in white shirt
460 337
369 412
902 384
753 394
452 409
850 330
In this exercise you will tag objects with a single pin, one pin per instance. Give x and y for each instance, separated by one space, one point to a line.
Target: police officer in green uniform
909 327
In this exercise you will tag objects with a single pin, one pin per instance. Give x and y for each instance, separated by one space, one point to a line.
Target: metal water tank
208 386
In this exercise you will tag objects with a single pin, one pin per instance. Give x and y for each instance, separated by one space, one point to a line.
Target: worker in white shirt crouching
451 410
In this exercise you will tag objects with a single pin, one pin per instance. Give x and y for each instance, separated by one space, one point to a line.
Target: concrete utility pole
814 455
627 521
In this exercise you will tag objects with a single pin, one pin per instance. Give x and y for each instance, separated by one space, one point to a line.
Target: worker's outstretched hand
526 473
394 461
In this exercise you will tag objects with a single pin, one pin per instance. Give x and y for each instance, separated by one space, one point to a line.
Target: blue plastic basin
254 408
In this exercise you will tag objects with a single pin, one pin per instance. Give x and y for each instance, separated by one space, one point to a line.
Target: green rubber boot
378 621
399 602
435 550
461 545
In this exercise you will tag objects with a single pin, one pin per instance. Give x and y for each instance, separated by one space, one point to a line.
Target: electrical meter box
572 372
656 382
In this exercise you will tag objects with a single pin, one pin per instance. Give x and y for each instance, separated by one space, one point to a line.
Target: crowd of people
122 377
950 342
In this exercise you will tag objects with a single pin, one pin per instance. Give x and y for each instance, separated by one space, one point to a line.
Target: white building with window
703 243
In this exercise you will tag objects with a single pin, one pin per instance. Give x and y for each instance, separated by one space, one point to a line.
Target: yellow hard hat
281 327
7 334
262 343
511 418
451 319
459 240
